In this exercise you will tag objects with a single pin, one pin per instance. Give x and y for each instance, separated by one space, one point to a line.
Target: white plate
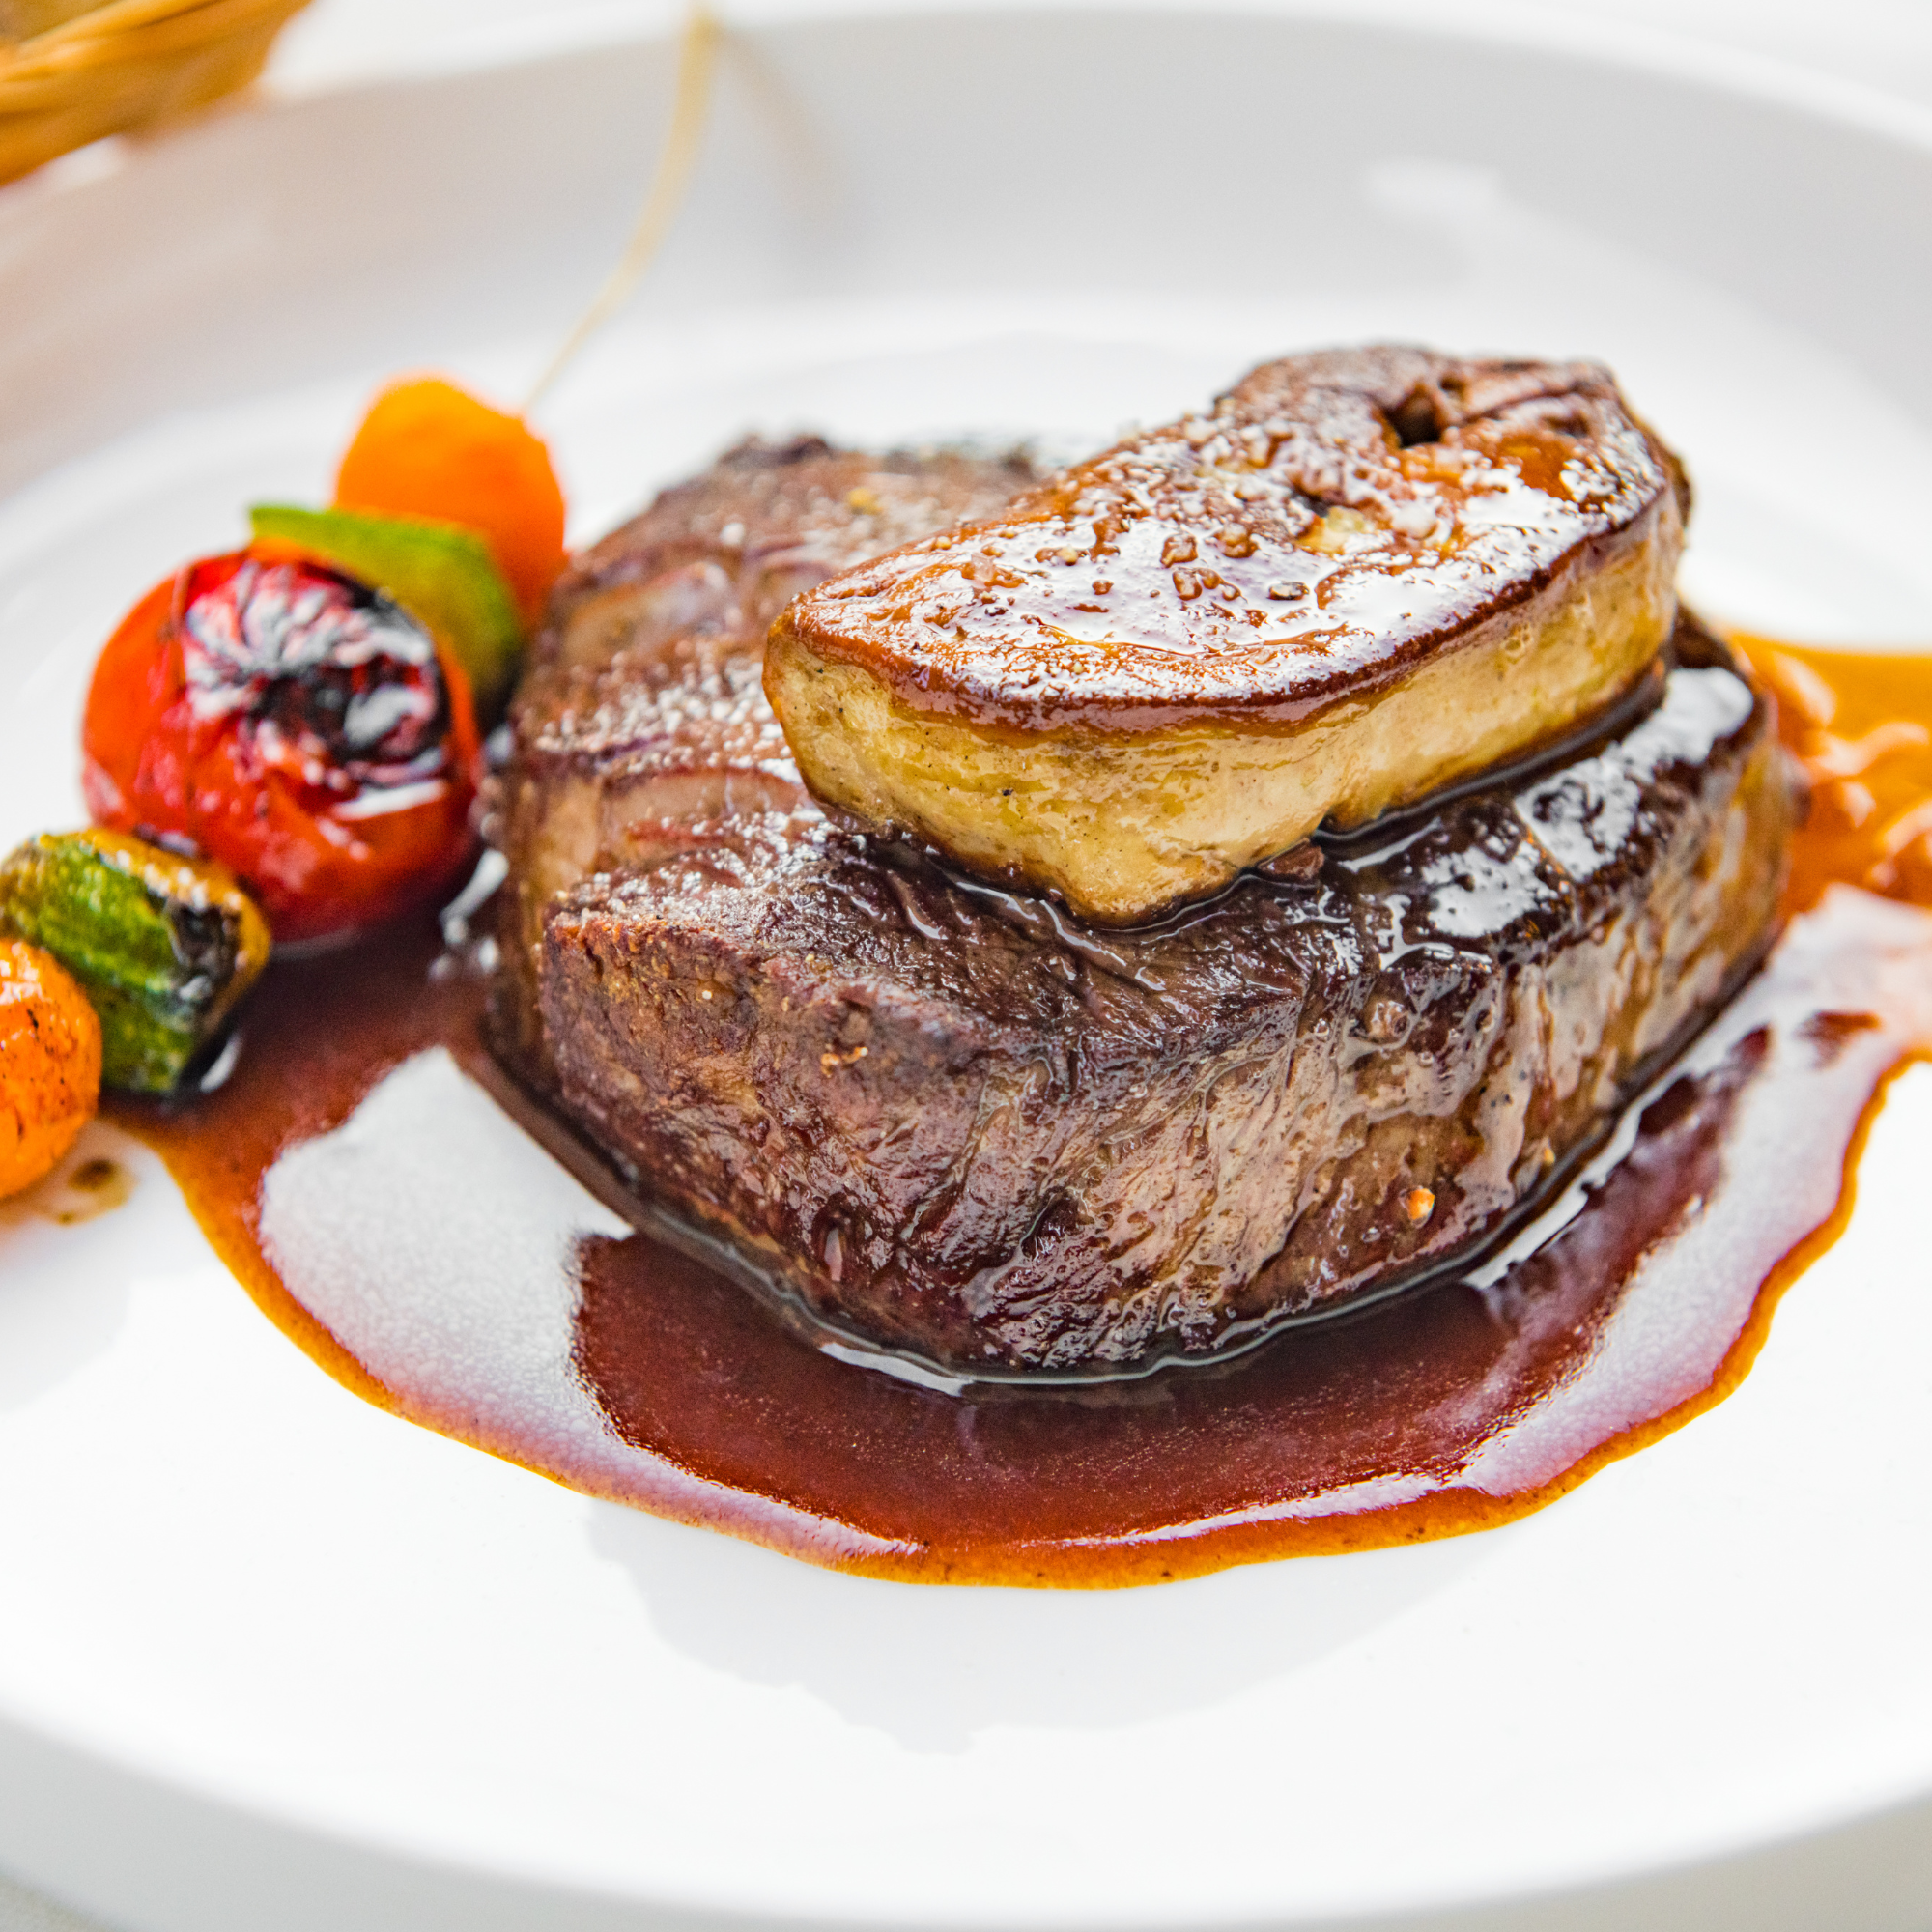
268 1658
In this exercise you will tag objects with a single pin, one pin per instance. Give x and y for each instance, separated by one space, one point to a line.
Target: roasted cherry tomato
294 725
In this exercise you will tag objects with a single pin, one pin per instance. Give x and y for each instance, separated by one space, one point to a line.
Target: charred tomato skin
293 724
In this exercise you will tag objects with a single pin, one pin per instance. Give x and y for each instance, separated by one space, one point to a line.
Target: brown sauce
1634 1304
85 1186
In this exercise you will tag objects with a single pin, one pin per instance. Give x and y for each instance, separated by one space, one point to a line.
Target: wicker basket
126 64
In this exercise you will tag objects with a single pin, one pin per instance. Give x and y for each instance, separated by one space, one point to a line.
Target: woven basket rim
126 67
103 30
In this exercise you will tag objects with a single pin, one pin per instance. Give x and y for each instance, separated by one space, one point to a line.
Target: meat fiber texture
956 1123
641 722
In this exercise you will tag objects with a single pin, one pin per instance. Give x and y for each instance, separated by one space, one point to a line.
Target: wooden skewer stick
697 48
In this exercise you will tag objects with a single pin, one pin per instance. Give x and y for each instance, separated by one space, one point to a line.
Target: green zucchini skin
164 948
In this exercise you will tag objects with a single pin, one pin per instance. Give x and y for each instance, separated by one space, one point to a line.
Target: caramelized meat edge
642 719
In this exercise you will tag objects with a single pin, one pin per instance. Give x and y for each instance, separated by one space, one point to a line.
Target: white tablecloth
1883 43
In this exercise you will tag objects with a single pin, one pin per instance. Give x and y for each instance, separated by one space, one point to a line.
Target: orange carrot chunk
427 449
49 1063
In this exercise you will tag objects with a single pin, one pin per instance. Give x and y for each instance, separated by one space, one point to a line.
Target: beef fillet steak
957 1122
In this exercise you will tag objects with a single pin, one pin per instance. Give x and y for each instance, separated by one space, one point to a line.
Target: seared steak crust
959 1124
643 716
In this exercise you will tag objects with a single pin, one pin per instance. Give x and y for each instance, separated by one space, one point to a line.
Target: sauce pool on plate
443 1248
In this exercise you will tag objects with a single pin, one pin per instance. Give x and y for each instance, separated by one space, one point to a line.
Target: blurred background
72 72
1887 43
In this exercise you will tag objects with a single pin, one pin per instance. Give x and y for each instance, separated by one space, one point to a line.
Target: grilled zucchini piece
163 947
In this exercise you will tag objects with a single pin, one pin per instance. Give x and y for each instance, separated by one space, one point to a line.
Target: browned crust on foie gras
1362 576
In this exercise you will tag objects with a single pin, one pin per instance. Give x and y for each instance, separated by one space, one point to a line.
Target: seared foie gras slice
641 715
1363 575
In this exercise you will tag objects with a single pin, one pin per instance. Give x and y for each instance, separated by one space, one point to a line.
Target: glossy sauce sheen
1262 561
1639 1301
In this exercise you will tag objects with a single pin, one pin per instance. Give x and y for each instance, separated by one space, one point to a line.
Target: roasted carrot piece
49 1063
428 450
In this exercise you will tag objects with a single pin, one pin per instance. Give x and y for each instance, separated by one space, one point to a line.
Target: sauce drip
555 1336
1861 725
